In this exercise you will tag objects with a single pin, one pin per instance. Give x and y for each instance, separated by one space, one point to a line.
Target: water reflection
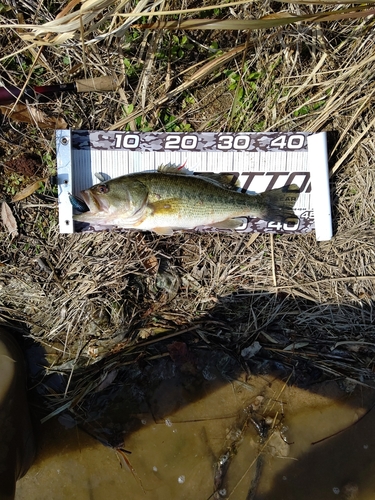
186 420
202 421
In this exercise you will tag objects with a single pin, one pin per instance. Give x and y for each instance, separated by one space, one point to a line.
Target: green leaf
129 109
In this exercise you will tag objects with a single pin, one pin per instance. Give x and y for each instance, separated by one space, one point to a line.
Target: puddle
197 431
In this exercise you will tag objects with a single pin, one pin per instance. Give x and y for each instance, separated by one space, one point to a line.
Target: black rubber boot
17 443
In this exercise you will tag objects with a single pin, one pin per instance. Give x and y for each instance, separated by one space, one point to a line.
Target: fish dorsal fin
228 181
172 168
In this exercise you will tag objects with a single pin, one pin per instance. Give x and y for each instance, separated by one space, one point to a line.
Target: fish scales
195 197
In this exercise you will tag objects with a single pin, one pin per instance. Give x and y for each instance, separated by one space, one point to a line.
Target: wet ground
201 432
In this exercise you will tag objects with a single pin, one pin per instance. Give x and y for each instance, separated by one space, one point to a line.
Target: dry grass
101 300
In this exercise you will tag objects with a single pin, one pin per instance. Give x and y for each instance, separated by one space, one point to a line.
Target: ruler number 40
293 141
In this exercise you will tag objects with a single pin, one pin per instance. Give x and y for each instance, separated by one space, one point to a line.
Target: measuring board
257 161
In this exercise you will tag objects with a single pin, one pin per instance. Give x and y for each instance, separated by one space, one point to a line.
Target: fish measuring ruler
258 161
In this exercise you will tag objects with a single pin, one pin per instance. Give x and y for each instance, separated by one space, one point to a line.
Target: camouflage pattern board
258 162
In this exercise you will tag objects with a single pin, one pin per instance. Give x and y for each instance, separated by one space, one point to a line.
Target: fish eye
102 189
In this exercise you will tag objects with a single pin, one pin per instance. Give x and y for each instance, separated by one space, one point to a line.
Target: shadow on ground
256 386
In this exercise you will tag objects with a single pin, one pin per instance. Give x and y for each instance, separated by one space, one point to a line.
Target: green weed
172 124
49 162
305 110
12 183
132 69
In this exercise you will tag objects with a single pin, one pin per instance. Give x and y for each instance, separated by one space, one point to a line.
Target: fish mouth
95 204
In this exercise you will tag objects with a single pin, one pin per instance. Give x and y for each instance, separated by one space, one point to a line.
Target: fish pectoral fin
163 231
164 207
228 224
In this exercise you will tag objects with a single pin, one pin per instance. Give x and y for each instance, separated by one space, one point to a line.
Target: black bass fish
172 199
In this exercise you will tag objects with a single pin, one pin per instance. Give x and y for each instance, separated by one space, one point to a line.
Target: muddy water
244 438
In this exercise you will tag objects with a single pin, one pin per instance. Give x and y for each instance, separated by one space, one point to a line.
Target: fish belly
177 214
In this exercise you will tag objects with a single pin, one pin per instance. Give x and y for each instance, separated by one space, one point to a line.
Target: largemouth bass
172 199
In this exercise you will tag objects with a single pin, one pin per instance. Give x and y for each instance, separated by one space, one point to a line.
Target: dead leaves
8 219
34 116
29 190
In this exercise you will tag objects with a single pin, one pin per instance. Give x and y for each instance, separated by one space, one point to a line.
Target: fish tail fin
279 203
